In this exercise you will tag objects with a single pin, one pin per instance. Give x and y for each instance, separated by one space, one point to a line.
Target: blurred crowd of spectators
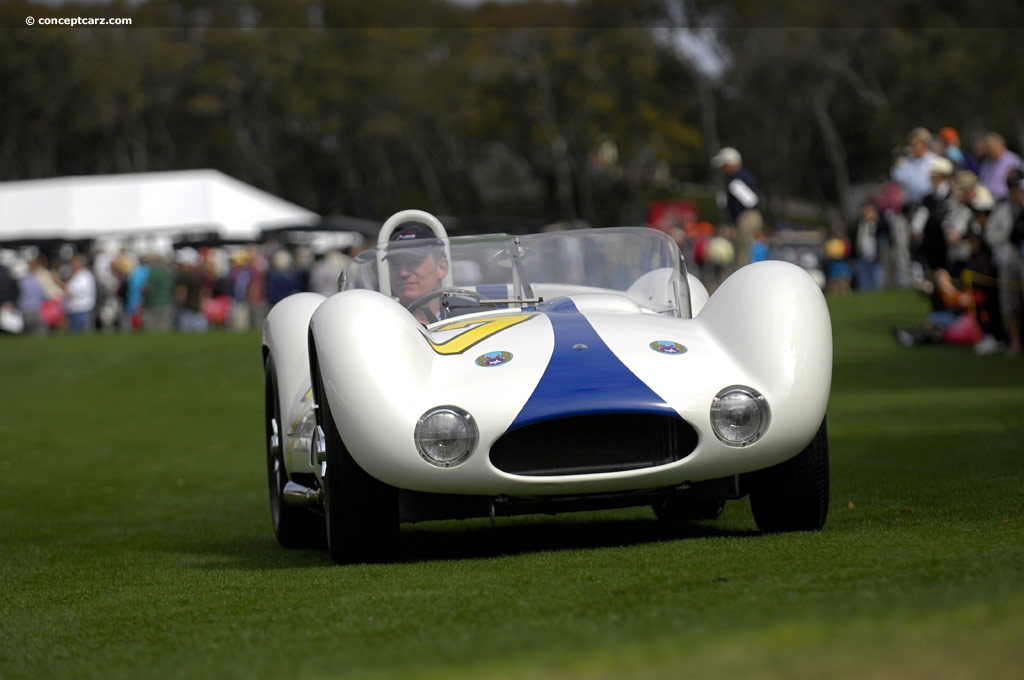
191 290
947 221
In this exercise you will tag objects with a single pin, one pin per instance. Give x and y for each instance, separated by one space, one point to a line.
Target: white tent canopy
155 204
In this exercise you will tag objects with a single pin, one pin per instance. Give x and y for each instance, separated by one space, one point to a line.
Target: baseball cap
726 156
412 231
412 242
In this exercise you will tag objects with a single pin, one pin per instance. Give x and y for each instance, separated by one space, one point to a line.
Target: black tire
361 512
294 527
793 496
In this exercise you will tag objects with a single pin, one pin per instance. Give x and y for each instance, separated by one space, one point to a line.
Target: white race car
547 372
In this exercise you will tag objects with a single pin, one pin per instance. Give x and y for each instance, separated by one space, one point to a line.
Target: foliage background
585 109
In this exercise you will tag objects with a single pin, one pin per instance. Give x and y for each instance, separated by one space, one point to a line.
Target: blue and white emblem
667 347
494 359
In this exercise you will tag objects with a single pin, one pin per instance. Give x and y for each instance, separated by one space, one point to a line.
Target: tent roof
168 203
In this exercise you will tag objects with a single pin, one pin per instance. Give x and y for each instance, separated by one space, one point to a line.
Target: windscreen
639 262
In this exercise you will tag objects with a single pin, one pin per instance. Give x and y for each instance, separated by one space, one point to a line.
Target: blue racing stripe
583 376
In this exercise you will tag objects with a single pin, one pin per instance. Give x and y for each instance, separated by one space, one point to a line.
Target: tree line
562 110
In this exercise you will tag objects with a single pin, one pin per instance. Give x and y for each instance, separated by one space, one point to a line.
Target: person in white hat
926 224
742 201
912 167
80 299
984 273
969 199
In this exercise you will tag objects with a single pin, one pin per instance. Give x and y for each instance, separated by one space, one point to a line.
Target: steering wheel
462 293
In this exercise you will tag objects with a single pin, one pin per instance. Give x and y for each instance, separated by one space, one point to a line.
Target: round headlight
445 436
739 415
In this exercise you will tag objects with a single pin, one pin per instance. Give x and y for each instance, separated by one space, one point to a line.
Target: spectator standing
80 301
913 166
47 278
239 277
981 265
121 268
30 300
947 145
108 284
1006 254
1017 239
720 255
866 250
912 171
996 165
189 290
158 296
282 279
742 201
134 285
326 271
302 262
51 311
893 236
926 224
838 273
13 321
695 247
217 295
961 222
256 293
760 250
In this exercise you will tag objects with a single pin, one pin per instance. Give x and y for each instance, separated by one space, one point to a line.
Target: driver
417 266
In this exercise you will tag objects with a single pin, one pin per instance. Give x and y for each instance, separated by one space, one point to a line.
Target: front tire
293 527
793 495
361 511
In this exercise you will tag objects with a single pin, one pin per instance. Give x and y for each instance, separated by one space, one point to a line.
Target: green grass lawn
135 539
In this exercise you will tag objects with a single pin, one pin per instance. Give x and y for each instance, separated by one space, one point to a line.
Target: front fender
285 337
374 362
773 317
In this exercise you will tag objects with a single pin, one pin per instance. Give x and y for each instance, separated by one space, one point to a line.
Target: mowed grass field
135 539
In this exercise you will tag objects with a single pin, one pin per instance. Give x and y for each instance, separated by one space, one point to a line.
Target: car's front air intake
594 444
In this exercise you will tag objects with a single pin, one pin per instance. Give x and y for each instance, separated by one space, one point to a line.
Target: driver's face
415 274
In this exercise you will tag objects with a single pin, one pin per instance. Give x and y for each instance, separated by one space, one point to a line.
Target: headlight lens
445 436
739 415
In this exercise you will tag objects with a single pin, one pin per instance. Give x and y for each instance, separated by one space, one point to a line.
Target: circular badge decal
667 347
494 359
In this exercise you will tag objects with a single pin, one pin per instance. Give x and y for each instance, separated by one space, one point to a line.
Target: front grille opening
593 444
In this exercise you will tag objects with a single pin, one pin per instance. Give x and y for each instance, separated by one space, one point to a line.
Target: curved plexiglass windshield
507 271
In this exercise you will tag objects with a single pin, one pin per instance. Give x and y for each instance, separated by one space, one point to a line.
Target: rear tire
294 527
361 511
793 495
